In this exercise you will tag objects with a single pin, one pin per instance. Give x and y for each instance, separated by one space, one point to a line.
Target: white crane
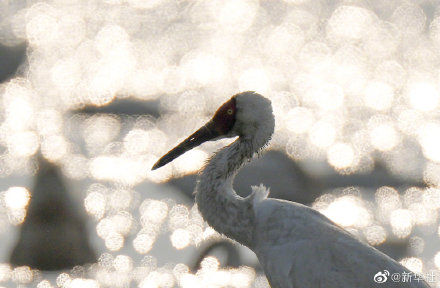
297 246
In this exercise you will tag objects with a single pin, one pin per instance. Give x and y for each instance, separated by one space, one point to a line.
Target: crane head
246 114
219 126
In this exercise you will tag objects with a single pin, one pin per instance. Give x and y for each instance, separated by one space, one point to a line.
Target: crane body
297 246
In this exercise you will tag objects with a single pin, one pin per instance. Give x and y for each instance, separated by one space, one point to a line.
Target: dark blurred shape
283 176
128 107
10 59
395 249
186 184
224 250
378 177
54 234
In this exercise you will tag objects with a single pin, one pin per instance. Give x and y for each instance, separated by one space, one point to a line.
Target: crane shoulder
299 247
279 221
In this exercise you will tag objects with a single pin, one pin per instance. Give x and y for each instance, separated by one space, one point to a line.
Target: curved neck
218 203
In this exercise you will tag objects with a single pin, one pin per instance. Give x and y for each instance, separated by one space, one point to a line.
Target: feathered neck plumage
219 204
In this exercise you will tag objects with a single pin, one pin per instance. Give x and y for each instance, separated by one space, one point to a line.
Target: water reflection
109 86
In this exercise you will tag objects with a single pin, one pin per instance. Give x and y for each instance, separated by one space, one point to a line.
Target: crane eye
229 111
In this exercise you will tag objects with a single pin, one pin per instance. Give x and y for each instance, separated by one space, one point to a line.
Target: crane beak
205 133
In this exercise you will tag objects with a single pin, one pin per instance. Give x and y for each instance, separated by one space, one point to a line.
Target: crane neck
219 204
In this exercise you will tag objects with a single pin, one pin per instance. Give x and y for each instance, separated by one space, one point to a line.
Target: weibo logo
381 276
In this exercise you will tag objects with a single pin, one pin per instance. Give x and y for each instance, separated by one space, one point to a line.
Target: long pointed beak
205 133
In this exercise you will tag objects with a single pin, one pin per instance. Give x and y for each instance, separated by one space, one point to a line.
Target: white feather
259 193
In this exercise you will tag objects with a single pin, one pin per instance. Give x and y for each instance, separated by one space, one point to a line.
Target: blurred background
94 92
